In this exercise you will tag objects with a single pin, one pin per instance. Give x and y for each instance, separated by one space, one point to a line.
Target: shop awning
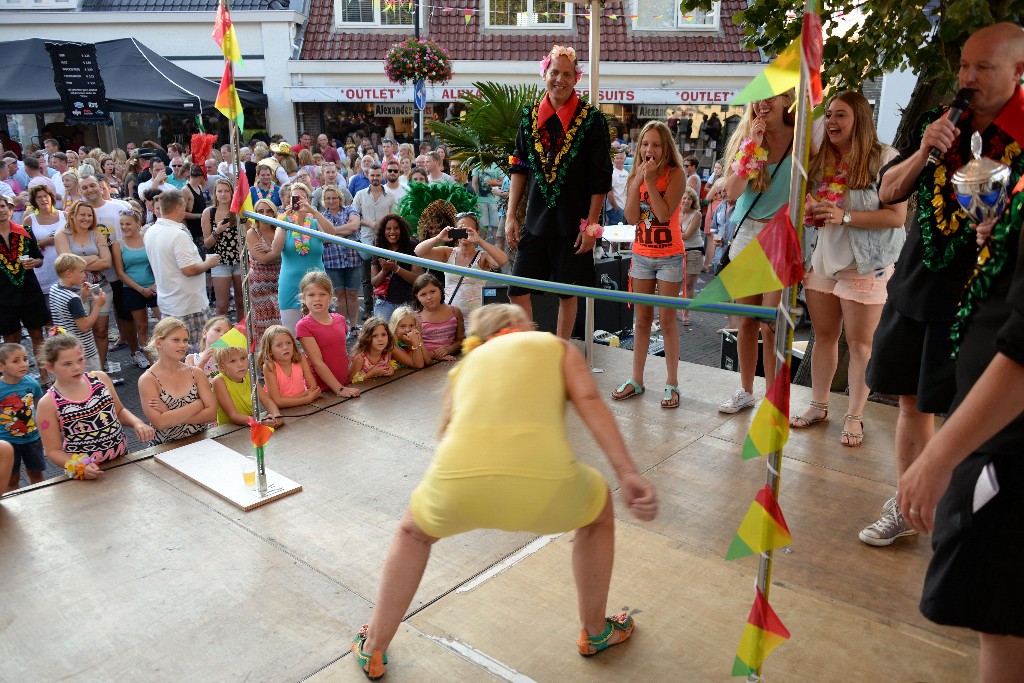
136 80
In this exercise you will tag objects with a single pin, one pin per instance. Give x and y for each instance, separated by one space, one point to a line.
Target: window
664 15
373 12
529 14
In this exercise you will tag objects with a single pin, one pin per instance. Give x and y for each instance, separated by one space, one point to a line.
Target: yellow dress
504 461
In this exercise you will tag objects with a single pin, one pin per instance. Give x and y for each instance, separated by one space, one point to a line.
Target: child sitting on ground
233 388
371 356
405 328
323 335
215 328
81 418
176 398
67 305
442 324
20 394
289 381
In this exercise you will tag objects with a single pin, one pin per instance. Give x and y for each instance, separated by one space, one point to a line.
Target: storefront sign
646 111
449 93
386 110
76 75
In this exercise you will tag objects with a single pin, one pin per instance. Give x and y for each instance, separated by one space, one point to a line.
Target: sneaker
890 526
139 360
741 400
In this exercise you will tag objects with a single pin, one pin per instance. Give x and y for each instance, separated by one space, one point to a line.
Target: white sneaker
741 400
890 526
139 360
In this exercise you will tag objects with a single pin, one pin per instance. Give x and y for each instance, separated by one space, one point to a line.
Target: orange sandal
372 664
617 630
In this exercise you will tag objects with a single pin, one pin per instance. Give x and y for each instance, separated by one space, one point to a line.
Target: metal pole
784 326
420 118
595 80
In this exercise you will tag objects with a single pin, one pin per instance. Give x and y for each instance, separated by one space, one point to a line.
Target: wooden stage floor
145 576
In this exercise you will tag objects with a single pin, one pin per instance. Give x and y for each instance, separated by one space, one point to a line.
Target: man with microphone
911 348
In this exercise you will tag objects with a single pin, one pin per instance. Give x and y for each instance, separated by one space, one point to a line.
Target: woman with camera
471 251
220 236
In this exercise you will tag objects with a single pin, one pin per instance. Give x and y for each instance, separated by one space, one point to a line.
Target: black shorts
31 454
133 301
912 358
973 578
552 258
31 316
117 289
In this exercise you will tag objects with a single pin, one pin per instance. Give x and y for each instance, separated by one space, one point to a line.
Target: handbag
725 260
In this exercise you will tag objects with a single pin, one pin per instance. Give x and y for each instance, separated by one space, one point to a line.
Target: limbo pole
595 99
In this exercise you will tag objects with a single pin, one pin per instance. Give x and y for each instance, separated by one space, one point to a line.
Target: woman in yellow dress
527 478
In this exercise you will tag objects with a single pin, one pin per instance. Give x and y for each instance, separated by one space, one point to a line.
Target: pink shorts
867 289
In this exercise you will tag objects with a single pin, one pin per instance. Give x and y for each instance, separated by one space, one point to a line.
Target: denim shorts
31 454
226 270
664 268
346 278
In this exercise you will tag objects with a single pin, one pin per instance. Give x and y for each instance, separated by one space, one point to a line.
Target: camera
458 233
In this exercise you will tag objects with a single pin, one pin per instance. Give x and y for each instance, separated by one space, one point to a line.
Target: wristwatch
847 218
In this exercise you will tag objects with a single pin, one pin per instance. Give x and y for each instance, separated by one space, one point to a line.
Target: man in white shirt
392 173
372 204
159 177
179 271
435 169
617 197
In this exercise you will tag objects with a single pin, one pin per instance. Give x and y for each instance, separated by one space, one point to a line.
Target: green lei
991 258
552 174
10 259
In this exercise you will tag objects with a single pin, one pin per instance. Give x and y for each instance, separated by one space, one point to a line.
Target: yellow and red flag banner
763 528
810 39
763 633
242 199
227 98
230 338
769 263
769 430
224 36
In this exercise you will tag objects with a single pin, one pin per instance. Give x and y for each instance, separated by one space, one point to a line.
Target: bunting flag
762 529
810 37
224 36
242 199
259 433
227 98
468 15
763 633
779 76
769 429
230 338
769 263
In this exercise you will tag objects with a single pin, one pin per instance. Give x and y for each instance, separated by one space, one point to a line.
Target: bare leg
36 335
350 300
128 334
34 476
1002 658
525 302
827 314
99 332
222 293
593 552
669 334
403 570
141 320
746 345
236 281
643 316
6 465
770 299
913 430
861 321
566 316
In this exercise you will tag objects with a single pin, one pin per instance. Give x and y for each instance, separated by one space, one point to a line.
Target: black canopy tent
136 80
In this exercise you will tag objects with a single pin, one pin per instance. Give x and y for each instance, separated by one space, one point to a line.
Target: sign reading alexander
76 75
448 93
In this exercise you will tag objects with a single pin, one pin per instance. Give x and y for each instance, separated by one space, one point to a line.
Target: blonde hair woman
221 237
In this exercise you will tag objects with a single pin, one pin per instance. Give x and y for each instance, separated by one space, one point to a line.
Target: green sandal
618 628
619 394
372 664
670 401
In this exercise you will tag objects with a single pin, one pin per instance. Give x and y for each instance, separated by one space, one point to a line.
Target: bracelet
75 465
750 159
593 229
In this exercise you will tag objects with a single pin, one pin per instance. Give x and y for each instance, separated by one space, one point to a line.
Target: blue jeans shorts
346 278
664 268
31 454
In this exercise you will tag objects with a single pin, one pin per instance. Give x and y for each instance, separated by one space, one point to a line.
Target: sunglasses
465 214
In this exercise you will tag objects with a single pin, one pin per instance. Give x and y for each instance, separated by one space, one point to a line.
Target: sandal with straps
617 629
371 664
801 422
620 395
847 437
671 399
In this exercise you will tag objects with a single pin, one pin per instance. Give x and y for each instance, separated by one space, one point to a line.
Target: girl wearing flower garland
527 481
371 356
289 381
300 253
857 244
653 192
758 179
323 335
408 334
80 418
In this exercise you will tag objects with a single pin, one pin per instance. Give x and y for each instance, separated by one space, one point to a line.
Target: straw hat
282 148
269 162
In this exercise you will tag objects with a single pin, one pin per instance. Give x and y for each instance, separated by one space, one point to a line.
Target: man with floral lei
562 161
940 269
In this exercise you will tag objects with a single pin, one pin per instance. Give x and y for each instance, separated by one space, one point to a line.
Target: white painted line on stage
510 561
484 661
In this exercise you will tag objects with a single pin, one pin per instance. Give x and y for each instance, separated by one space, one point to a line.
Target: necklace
833 184
553 164
300 240
10 256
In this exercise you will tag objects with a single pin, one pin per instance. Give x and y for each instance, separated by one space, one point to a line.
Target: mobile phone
458 233
295 203
226 221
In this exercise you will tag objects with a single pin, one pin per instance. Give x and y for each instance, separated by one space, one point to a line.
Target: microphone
956 110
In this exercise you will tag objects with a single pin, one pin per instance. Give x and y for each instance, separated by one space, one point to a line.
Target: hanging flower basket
418 59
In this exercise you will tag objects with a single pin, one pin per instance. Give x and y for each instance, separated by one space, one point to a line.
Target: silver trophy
980 185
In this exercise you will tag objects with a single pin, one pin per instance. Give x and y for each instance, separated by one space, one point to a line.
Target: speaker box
611 316
545 306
